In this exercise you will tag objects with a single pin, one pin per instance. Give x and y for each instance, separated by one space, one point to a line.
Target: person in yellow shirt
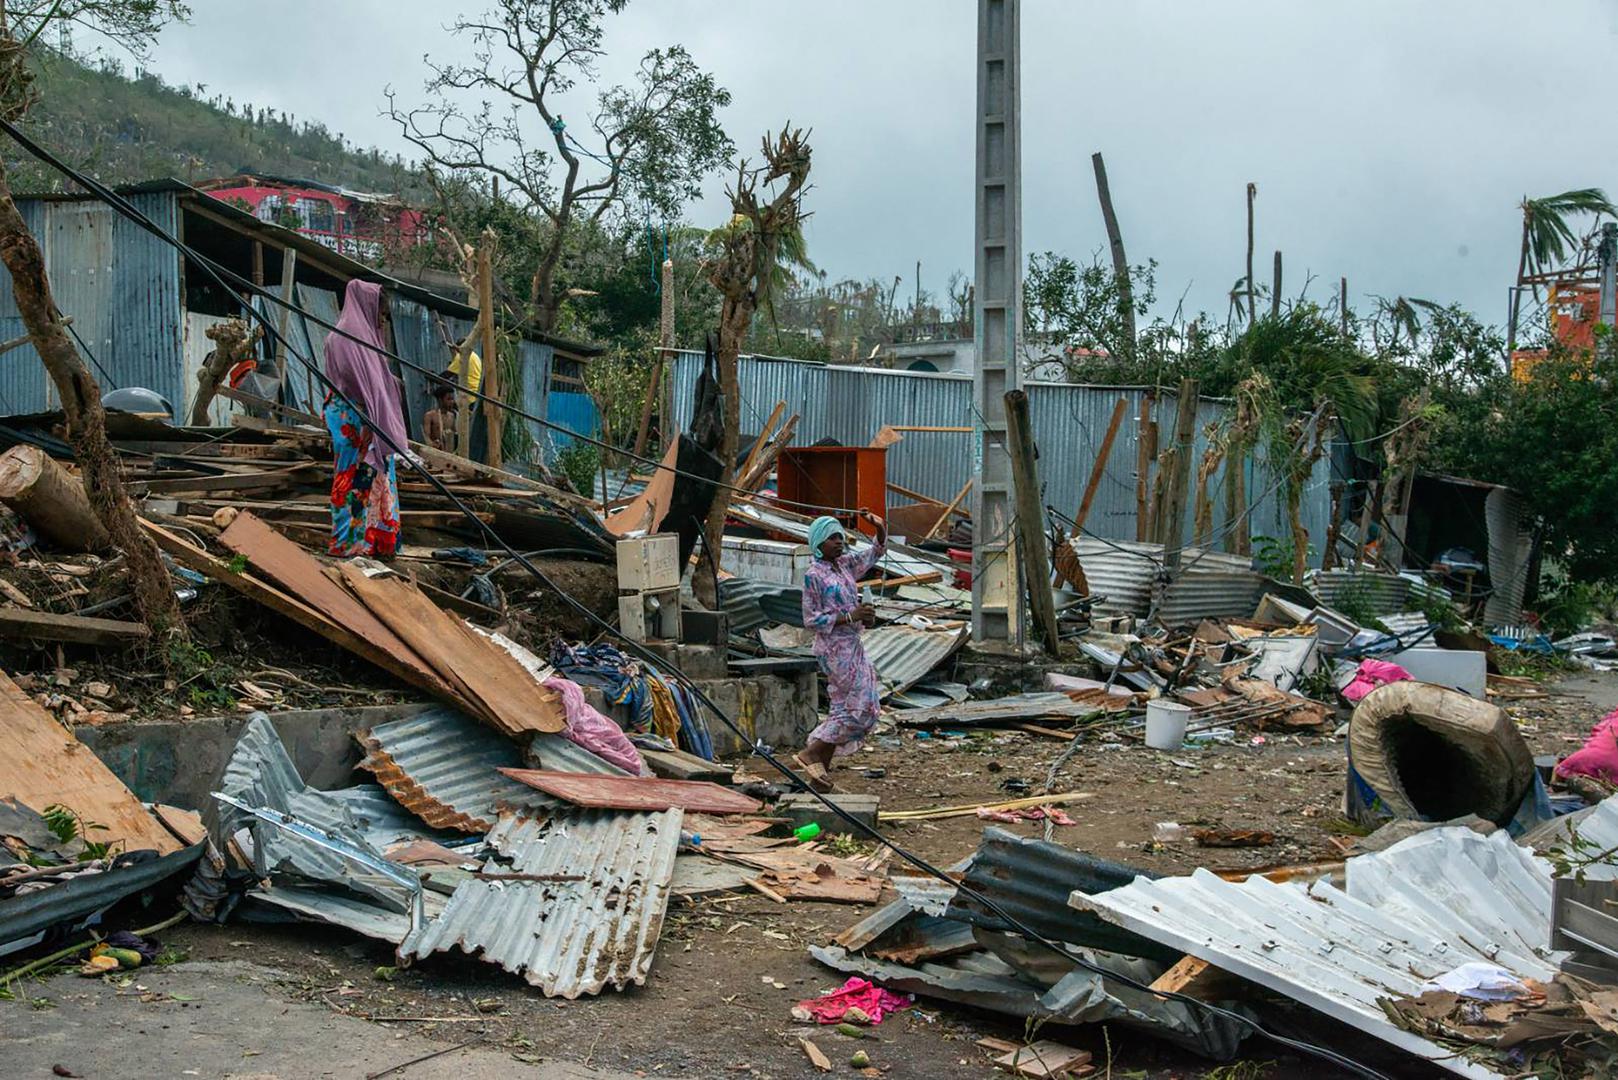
479 450
474 375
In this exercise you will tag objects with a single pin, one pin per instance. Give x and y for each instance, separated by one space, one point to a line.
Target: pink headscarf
360 372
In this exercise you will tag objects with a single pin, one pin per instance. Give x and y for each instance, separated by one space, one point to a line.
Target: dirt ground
729 968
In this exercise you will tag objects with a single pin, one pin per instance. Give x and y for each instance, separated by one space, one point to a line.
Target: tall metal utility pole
1607 252
996 587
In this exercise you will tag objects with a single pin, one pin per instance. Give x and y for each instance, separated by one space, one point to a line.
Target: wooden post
51 499
1252 312
493 414
1145 454
1120 262
666 360
1342 304
289 267
1238 532
664 338
1275 290
1367 513
1179 478
258 263
1100 467
1036 559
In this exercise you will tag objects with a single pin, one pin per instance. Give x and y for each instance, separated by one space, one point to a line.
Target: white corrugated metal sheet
1417 910
594 923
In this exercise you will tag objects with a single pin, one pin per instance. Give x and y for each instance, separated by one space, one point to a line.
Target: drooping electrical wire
125 208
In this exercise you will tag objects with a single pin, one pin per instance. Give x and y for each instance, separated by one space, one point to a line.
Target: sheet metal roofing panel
442 765
1325 949
1209 584
903 655
1511 544
1120 573
566 937
1032 879
1381 594
260 773
1455 884
145 301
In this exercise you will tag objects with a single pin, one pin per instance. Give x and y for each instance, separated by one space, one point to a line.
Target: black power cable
135 215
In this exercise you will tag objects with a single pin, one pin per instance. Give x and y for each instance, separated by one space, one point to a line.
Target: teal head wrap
821 530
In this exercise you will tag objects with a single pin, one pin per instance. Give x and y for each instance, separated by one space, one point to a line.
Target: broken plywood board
42 764
496 688
1045 1059
409 668
636 792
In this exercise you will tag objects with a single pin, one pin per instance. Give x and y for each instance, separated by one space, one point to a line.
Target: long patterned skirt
364 501
854 690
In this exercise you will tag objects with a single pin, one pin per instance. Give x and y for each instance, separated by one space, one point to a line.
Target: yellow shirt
474 375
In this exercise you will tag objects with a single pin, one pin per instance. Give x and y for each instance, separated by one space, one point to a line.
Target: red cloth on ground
856 993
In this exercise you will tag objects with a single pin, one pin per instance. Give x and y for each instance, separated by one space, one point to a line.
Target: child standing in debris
438 426
833 610
366 400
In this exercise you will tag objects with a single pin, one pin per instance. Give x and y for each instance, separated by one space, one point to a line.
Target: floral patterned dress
830 589
364 503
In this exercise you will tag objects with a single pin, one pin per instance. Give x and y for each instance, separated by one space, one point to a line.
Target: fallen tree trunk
50 499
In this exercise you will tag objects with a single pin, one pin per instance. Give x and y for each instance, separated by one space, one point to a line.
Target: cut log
51 499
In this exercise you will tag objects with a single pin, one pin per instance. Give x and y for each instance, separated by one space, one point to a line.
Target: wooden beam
1036 558
1145 454
1100 467
953 508
1179 478
763 438
77 629
257 481
289 269
493 414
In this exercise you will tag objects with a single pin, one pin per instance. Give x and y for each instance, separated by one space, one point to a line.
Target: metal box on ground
650 616
649 563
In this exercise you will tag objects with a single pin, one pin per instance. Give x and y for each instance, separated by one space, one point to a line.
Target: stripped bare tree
498 116
749 264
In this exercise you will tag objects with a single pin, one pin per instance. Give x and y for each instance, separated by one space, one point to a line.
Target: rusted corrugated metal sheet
442 766
594 924
903 655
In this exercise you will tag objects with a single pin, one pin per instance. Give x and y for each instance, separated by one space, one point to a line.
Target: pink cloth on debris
1599 755
1037 813
1372 674
856 993
596 733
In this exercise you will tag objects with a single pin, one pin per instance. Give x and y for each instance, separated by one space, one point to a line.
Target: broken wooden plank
42 764
1196 978
186 825
1044 1058
301 574
76 629
498 690
599 791
254 481
405 666
679 765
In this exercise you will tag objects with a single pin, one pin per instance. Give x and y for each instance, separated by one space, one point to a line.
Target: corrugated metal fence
125 309
850 404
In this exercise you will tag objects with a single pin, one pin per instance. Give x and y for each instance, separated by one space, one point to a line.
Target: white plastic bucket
1165 724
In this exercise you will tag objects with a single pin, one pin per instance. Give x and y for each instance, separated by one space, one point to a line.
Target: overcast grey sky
1390 140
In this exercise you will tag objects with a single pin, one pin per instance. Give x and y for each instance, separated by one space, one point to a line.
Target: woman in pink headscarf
364 487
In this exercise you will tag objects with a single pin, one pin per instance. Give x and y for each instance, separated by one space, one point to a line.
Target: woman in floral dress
833 610
365 486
